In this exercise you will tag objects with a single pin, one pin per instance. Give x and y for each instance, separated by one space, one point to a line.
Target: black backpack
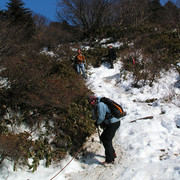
116 109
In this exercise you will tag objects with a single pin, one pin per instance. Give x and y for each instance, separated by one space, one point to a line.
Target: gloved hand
95 123
103 125
124 114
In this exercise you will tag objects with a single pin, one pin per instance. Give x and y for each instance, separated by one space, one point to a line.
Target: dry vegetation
41 91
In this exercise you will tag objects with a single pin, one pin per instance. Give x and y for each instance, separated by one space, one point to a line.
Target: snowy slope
147 149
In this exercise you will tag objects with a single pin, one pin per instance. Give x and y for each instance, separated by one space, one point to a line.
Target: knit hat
91 97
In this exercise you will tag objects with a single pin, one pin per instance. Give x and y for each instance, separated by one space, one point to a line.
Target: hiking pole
147 117
99 134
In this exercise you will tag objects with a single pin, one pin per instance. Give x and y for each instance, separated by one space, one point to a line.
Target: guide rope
147 117
72 158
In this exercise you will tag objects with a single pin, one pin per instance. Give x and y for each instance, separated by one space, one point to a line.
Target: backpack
116 109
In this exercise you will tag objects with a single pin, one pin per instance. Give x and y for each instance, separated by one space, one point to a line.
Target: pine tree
20 16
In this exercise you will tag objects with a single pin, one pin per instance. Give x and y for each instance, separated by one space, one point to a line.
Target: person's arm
101 113
94 114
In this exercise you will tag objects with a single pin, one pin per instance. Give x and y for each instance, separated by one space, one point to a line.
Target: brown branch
148 117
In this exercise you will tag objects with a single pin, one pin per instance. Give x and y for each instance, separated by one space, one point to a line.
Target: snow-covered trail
147 149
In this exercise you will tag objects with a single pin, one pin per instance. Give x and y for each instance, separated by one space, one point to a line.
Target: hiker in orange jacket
80 61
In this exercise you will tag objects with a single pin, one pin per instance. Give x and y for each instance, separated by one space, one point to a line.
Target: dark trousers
111 62
107 137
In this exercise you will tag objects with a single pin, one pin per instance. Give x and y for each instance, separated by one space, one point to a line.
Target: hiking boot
115 156
105 162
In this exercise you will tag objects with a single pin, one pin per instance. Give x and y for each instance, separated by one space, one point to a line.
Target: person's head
110 46
92 99
79 51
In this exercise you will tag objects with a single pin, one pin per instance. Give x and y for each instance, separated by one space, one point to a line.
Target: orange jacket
80 59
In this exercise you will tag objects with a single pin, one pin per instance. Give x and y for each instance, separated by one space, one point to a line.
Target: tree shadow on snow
177 84
106 65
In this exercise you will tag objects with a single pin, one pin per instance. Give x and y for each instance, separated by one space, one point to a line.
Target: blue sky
164 1
46 8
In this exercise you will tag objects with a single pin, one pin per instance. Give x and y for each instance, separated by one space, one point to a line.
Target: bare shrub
88 15
42 89
12 147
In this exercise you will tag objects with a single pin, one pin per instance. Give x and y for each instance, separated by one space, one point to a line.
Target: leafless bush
12 146
90 15
172 96
11 39
133 12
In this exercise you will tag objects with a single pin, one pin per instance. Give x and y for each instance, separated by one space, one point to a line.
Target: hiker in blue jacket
102 115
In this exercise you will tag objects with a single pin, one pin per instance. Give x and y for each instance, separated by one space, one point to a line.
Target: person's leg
106 139
108 150
78 68
111 62
83 70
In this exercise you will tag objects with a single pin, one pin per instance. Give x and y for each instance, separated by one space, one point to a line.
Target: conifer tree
20 16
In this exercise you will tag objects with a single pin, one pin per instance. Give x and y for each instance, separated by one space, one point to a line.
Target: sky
148 149
164 1
46 8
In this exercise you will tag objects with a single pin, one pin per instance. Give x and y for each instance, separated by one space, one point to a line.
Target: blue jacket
102 109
